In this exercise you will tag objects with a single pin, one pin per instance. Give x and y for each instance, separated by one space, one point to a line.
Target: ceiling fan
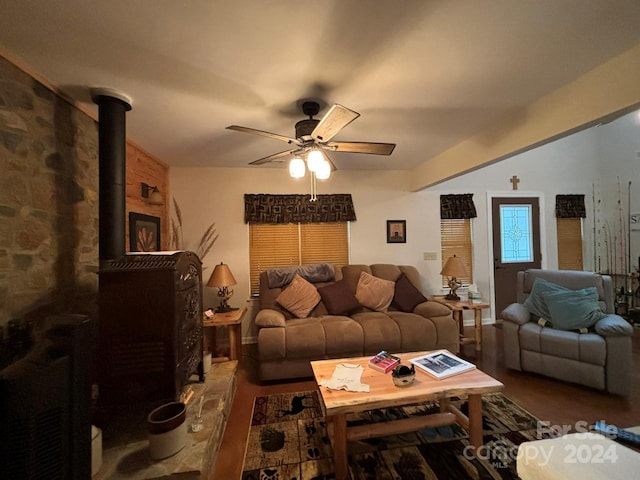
313 134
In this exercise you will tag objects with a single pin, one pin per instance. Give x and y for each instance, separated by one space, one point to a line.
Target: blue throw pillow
536 303
574 309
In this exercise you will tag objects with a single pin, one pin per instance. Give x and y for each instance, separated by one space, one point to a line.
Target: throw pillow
374 293
300 297
338 298
535 302
406 296
574 309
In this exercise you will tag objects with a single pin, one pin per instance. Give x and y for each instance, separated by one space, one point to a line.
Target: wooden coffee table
383 393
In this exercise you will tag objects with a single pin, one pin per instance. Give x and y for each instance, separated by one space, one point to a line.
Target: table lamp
454 268
222 278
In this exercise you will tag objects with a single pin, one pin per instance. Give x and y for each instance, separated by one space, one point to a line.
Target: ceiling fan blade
335 120
262 133
362 147
272 158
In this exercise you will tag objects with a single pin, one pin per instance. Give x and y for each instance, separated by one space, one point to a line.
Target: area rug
288 441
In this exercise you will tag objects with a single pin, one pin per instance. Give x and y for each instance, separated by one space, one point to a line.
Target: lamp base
451 296
225 308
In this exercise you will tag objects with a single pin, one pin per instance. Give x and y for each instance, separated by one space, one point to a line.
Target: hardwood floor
550 400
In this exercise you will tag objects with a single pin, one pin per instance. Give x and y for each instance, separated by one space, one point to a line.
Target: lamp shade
314 160
221 277
324 170
296 167
155 198
454 268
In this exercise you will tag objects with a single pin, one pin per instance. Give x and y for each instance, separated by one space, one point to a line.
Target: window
516 233
569 243
570 210
456 239
289 244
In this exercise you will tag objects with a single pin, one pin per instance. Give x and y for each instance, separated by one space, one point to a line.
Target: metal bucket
167 430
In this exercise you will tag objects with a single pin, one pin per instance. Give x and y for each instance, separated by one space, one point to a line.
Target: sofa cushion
304 338
300 297
379 331
574 309
406 296
338 298
374 293
536 303
416 333
351 274
343 336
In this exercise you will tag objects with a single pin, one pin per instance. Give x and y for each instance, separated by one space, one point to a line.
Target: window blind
455 237
569 243
289 244
324 242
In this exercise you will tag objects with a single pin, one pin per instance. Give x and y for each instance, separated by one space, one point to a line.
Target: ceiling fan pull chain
314 187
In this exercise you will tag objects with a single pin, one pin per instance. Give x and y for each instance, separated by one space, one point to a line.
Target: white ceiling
423 74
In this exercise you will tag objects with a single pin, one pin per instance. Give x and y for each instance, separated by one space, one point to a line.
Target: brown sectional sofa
287 344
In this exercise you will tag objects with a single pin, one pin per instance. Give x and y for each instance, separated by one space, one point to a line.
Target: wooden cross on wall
514 181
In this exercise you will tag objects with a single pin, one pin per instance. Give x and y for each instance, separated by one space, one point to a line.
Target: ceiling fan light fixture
314 160
324 170
296 167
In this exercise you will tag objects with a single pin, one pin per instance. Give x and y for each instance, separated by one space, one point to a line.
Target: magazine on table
384 361
442 364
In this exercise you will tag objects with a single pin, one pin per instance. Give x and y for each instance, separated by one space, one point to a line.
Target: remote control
618 434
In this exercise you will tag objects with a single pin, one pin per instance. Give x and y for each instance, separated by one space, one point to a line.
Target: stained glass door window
516 233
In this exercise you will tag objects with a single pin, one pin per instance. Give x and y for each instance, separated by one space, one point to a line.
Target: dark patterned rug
288 441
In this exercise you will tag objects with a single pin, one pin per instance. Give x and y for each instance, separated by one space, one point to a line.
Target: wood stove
150 326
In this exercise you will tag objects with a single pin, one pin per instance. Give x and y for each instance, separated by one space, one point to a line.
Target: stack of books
384 362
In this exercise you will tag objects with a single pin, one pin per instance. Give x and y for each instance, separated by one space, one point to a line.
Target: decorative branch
207 240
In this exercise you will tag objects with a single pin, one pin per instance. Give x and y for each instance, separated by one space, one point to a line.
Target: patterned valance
265 208
570 206
457 206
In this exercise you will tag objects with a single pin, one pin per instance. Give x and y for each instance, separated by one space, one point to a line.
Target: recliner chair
600 358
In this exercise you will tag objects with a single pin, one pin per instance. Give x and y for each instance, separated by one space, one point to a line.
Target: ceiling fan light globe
324 171
314 160
296 168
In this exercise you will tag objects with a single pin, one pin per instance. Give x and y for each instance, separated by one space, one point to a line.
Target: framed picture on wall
396 231
144 233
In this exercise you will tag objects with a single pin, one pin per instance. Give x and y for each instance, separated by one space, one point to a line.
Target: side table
233 320
457 307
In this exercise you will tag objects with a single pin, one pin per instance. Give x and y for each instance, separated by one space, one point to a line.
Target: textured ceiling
423 74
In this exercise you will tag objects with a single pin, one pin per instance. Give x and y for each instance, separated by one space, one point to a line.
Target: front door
516 244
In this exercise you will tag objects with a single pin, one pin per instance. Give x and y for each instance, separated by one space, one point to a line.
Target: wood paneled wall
143 168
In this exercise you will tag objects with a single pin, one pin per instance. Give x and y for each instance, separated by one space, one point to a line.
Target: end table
233 320
457 307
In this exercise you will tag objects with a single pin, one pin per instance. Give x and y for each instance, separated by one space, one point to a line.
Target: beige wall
608 90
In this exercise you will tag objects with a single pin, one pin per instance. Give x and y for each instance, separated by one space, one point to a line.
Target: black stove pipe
112 106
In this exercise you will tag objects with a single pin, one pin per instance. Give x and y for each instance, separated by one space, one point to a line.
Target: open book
441 364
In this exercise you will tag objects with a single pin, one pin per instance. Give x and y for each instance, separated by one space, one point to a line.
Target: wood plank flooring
550 400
